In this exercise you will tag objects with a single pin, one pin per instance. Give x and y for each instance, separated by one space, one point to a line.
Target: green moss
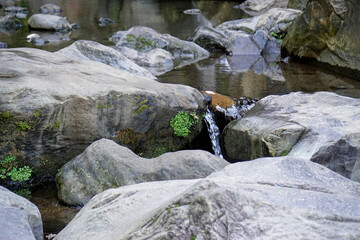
129 136
141 108
101 106
192 237
56 125
284 153
6 115
38 113
22 126
182 123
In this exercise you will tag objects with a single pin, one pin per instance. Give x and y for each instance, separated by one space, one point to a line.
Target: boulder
157 61
49 22
46 37
255 7
90 50
144 39
19 218
105 21
298 4
105 164
50 8
211 39
248 200
322 127
327 32
10 22
59 106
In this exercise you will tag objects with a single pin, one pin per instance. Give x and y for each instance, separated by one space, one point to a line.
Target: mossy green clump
9 169
279 36
56 125
22 126
182 123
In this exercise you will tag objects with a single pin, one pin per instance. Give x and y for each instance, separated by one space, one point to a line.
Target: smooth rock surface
322 127
157 61
298 4
255 7
49 22
328 32
105 164
248 200
50 8
144 39
56 106
19 218
90 50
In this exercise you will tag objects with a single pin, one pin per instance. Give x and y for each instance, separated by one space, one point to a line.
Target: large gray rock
255 7
50 8
49 22
144 39
53 107
105 164
322 127
157 61
269 198
90 50
19 218
328 32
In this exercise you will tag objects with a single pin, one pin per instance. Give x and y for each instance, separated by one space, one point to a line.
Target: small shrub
182 123
22 126
9 168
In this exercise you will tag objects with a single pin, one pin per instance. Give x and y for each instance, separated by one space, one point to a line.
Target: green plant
22 126
279 36
56 125
6 115
9 168
182 123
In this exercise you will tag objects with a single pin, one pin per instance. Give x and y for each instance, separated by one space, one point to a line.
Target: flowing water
214 132
234 76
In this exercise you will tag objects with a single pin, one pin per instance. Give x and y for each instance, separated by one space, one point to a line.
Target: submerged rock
249 200
60 105
10 22
50 8
322 127
144 39
19 218
105 164
90 50
105 21
49 22
327 31
45 37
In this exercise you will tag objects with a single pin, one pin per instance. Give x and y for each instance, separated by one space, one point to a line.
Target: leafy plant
22 126
182 123
279 36
9 168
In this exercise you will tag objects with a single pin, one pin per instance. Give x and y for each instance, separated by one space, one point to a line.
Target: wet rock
64 104
298 4
90 50
322 127
7 3
105 21
248 200
255 7
15 10
144 39
327 32
44 37
192 11
10 22
211 39
157 61
49 22
50 8
105 164
19 218
3 45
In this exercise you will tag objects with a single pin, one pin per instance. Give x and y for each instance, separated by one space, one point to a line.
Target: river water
234 76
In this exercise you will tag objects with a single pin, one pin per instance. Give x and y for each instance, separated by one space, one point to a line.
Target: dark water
234 76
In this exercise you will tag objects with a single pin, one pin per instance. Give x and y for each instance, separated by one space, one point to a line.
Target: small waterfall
214 132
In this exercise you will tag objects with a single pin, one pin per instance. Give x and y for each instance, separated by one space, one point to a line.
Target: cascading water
214 132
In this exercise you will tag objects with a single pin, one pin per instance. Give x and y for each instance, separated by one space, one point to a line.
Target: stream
229 75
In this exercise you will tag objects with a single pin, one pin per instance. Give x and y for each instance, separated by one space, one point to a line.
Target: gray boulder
255 7
19 218
213 40
105 164
59 106
249 200
322 127
49 22
157 61
50 8
327 31
90 50
10 22
144 39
